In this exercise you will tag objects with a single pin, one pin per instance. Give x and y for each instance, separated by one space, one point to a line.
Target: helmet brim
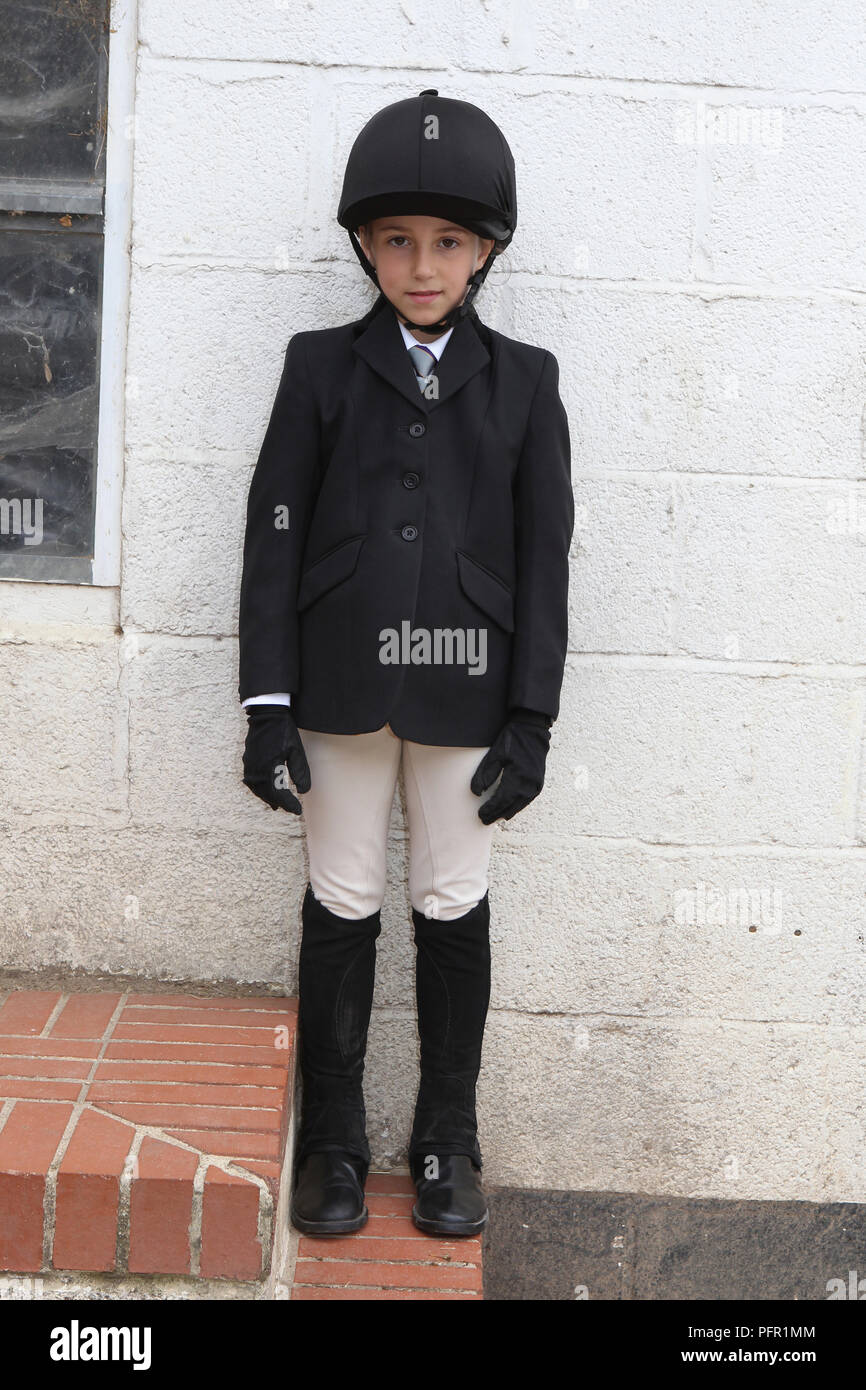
476 217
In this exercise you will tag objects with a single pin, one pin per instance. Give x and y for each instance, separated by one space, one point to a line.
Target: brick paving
389 1258
146 1134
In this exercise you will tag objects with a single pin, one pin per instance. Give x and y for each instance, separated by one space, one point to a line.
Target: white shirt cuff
280 698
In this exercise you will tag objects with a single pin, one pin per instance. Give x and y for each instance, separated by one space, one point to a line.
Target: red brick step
143 1133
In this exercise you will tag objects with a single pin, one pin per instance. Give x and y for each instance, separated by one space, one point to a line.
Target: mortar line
135 1062
566 82
54 1015
712 290
49 1205
122 1235
195 1218
756 667
7 1073
6 1109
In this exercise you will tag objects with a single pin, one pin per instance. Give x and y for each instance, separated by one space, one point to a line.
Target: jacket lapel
382 348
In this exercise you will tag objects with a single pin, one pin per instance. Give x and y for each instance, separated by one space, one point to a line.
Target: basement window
53 146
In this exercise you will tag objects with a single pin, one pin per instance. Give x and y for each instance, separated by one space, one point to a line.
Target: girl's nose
423 266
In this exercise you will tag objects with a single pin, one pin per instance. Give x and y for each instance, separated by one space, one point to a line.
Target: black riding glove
519 752
272 742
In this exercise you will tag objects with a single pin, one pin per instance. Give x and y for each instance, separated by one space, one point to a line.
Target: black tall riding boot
452 985
336 974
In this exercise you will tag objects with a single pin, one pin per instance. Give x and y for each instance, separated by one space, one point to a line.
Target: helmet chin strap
454 315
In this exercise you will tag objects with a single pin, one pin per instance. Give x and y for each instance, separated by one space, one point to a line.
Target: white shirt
437 347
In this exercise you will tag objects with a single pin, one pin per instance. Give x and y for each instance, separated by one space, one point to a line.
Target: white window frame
119 153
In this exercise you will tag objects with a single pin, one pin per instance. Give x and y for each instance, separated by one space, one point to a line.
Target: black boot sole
329 1228
449 1228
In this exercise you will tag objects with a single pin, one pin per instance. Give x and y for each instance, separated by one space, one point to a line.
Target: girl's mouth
423 295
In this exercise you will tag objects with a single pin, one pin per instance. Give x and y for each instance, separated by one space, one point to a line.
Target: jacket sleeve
279 504
544 523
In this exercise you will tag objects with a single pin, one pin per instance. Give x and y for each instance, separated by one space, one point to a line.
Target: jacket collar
382 348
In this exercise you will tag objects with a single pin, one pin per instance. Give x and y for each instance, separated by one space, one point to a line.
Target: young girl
404 600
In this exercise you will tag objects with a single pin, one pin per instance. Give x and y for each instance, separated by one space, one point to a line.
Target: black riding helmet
432 156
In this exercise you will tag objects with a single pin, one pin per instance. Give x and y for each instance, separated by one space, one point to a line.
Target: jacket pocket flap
485 590
332 569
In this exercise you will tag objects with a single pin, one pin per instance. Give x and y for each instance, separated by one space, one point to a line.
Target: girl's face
423 263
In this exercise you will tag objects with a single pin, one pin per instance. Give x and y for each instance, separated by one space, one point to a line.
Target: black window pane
46 504
49 354
52 76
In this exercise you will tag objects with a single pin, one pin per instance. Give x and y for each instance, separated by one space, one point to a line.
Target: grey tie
423 361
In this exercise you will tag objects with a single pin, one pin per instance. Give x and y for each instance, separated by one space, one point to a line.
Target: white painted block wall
678 921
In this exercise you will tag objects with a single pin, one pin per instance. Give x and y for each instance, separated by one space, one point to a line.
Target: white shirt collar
437 347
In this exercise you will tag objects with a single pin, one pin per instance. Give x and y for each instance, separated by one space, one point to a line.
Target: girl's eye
453 240
392 239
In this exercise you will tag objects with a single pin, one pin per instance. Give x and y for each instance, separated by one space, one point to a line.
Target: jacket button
409 533
411 479
417 429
